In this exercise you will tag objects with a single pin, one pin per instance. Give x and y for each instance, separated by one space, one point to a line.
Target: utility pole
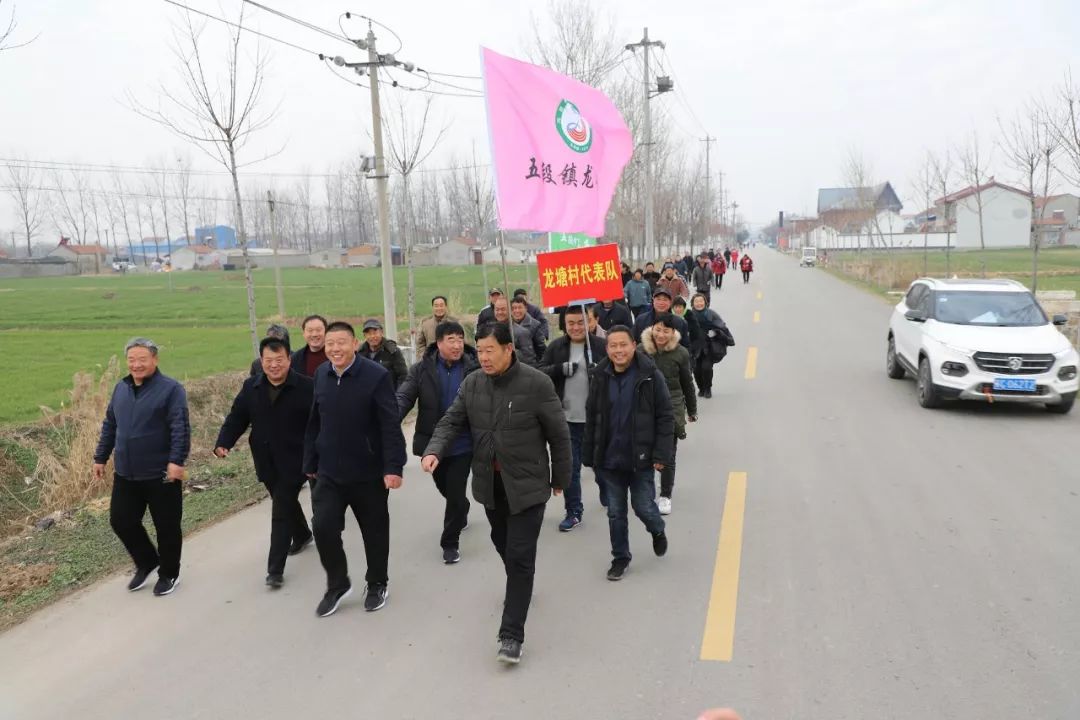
382 193
645 44
277 265
734 230
708 189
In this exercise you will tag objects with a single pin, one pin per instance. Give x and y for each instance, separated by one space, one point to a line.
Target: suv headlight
954 369
1068 372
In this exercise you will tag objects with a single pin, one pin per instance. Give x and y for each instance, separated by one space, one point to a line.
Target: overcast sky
786 86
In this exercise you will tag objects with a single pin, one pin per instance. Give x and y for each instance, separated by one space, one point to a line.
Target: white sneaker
664 504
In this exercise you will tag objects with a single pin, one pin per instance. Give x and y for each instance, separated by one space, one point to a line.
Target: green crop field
51 328
972 263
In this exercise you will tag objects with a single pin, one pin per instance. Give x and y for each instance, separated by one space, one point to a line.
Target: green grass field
52 328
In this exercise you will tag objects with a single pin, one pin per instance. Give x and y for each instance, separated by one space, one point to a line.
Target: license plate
1015 385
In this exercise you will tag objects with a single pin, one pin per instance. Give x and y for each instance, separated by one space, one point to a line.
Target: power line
302 23
681 96
373 21
241 27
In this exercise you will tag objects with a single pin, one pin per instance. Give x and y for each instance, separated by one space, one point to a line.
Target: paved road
895 563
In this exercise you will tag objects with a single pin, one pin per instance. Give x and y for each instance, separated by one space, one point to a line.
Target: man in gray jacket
514 416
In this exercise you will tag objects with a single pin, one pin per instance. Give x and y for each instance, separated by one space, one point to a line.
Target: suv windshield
998 309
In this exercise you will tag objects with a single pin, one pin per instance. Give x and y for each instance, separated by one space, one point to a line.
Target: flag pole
506 284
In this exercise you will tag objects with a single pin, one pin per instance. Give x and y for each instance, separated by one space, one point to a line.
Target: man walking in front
147 426
568 362
440 313
275 404
435 381
514 416
355 449
629 432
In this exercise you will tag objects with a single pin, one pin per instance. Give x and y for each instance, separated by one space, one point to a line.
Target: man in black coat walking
434 382
275 404
147 425
513 416
629 434
610 313
661 304
355 448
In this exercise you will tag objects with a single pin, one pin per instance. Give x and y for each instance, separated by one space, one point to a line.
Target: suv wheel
893 368
929 397
1062 407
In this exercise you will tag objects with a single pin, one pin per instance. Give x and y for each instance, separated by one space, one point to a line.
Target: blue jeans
572 494
642 491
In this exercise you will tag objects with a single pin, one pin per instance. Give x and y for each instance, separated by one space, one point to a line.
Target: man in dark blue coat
275 404
355 449
146 430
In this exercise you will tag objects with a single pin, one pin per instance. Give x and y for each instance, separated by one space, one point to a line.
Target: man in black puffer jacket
514 416
629 434
435 381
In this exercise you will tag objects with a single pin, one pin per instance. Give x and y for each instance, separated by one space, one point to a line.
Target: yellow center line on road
760 295
718 642
751 363
757 316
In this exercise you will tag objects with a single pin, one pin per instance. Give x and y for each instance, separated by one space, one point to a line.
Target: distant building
361 256
197 257
460 251
88 258
851 208
1059 207
221 237
493 254
328 258
1006 216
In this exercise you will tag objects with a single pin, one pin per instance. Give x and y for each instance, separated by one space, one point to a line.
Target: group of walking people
521 415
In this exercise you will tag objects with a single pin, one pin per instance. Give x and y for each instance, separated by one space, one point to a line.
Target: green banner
569 241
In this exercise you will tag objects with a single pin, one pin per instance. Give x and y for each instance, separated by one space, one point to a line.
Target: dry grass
17 579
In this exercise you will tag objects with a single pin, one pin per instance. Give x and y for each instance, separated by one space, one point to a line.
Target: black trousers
707 292
287 522
368 501
130 500
703 372
719 278
746 276
451 479
515 536
667 475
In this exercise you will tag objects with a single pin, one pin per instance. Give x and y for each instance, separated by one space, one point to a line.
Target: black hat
662 291
372 324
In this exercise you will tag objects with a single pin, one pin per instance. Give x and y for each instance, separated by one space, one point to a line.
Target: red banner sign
588 273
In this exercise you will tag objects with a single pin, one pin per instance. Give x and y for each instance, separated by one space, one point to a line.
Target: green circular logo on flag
573 128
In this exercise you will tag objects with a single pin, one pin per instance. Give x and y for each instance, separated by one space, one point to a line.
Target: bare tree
1063 124
182 188
6 31
303 199
71 211
973 167
943 177
122 206
857 174
30 202
218 115
150 202
410 144
1030 146
576 40
924 187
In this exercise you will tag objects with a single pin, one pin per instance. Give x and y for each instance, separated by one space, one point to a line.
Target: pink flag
558 146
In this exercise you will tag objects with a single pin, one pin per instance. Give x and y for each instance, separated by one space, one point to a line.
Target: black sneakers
509 651
329 604
659 544
376 596
165 586
451 556
275 580
617 569
299 545
138 580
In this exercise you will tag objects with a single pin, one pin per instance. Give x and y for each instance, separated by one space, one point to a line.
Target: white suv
981 340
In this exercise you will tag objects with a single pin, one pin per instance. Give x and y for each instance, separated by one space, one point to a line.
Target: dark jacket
701 277
617 314
673 361
514 418
298 361
354 431
485 316
652 421
697 337
645 320
277 429
558 352
525 342
537 336
537 314
652 278
423 384
389 355
147 431
716 344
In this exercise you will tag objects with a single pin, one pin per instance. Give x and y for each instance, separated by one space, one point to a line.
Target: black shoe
701 393
659 544
165 586
275 580
138 580
298 545
509 651
329 604
451 556
617 569
376 596
707 395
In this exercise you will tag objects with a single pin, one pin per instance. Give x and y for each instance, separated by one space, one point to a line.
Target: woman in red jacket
747 267
719 267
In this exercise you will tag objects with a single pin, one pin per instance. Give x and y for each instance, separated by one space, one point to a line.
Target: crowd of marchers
516 411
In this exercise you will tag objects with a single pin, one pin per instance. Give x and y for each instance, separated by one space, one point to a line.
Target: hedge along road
892 562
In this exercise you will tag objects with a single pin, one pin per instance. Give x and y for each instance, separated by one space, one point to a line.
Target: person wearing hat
383 351
662 300
487 315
